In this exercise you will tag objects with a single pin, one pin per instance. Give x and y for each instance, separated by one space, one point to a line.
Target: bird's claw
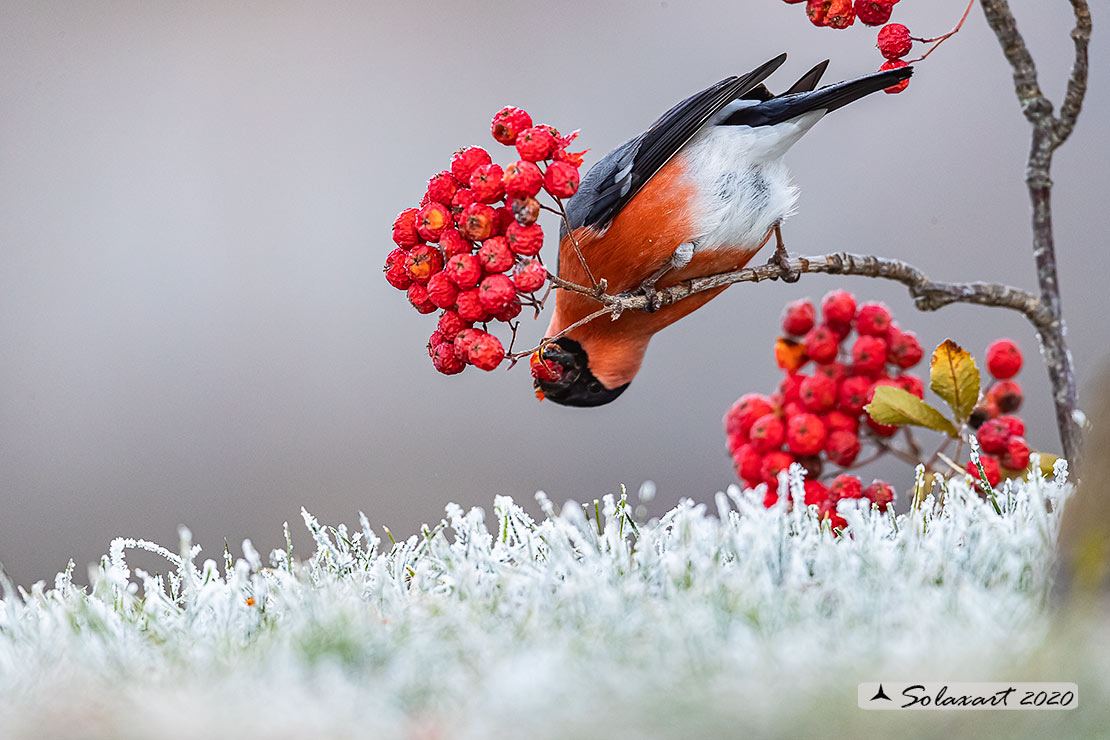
652 300
786 273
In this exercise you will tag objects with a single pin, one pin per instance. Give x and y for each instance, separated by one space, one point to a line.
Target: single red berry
735 442
822 345
1017 454
495 255
543 369
464 270
845 486
827 512
405 234
840 14
522 180
496 292
1014 424
868 355
894 41
986 409
749 464
838 308
873 319
798 317
817 11
467 160
469 306
561 180
431 220
771 497
903 348
477 222
422 262
485 352
395 271
441 291
881 430
535 144
790 409
818 394
791 387
837 420
773 464
525 240
834 370
911 384
487 184
1003 359
463 340
816 492
450 324
1007 394
502 217
898 86
990 467
445 360
874 12
767 433
530 277
842 447
854 394
418 297
744 413
452 243
994 435
510 312
508 123
463 198
879 493
434 341
805 434
442 187
526 211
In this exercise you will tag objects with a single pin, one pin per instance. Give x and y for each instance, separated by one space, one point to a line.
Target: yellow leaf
892 405
790 354
954 377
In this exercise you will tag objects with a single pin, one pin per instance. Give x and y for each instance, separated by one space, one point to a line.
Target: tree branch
1077 81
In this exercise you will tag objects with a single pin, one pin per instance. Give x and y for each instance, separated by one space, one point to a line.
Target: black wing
615 180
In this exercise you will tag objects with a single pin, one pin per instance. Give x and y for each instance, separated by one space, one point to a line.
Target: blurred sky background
196 198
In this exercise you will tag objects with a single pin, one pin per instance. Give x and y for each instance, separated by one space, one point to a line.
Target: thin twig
938 40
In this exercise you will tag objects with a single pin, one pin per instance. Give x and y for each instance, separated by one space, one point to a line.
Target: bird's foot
781 260
649 293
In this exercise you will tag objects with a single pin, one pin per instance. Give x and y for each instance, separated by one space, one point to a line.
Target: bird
699 193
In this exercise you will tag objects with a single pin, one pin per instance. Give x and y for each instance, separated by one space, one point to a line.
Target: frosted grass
719 621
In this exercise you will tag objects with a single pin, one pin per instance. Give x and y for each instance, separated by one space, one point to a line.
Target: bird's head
566 379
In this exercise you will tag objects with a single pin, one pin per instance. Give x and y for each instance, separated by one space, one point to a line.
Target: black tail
793 104
809 80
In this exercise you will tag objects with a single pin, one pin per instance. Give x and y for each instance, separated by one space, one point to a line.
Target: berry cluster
472 246
1000 432
817 418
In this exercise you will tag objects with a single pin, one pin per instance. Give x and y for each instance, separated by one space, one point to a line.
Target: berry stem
938 40
597 289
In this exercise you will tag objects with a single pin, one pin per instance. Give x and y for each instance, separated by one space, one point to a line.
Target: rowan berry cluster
471 249
1000 432
816 417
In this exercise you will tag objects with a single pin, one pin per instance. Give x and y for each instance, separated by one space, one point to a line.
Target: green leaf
892 405
954 377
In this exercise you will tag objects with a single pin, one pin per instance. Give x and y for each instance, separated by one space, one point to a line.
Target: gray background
195 202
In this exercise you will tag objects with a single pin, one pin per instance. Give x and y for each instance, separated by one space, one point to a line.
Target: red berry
463 198
477 222
561 180
791 409
434 341
894 41
525 240
445 360
834 370
749 464
503 216
845 486
405 234
509 312
535 144
452 243
543 369
422 262
990 467
873 319
508 123
817 10
805 434
818 394
899 86
485 351
442 187
1014 424
840 14
496 292
748 408
767 433
1003 359
486 183
1017 454
868 355
791 387
842 447
903 348
816 492
467 160
840 421
874 12
827 512
530 277
463 340
838 308
881 430
1007 394
822 345
911 384
798 317
773 464
469 306
526 210
418 297
450 325
879 493
854 394
987 409
431 220
495 255
441 291
522 180
395 271
994 435
464 270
